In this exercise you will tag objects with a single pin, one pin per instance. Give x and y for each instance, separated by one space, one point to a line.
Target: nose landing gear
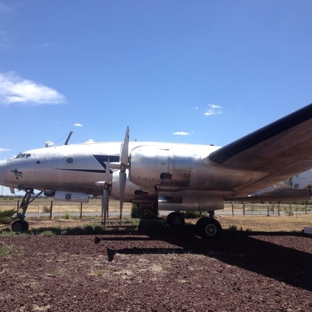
20 224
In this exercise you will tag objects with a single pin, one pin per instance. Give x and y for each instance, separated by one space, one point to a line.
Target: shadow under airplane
252 251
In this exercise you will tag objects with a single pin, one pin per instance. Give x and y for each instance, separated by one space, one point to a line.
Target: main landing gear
20 224
205 227
208 228
175 219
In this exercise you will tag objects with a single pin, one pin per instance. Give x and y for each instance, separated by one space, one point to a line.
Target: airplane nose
3 164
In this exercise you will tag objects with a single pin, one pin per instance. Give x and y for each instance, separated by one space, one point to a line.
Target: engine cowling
132 191
160 168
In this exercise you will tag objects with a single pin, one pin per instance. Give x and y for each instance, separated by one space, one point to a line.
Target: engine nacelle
160 168
201 204
133 192
71 197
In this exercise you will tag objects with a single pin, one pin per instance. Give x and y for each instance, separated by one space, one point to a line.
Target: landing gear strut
20 224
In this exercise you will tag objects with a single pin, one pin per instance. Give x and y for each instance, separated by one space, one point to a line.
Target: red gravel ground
147 272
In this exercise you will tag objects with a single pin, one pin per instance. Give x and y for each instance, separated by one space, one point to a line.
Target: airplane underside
207 227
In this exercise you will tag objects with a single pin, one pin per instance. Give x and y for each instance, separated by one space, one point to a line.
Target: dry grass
254 222
39 204
268 224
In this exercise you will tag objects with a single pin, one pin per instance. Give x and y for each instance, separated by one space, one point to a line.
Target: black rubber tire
175 219
208 228
25 225
17 226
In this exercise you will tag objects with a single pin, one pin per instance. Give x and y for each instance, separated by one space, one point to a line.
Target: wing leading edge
279 150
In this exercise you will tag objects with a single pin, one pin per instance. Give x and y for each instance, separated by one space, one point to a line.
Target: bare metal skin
176 177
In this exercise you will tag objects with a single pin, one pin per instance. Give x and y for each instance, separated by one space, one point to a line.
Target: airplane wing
279 150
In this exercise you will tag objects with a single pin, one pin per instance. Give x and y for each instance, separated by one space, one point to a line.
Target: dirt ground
160 269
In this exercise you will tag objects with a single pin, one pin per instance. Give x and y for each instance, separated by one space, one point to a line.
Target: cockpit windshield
22 155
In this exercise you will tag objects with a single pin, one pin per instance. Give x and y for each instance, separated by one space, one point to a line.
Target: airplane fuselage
155 169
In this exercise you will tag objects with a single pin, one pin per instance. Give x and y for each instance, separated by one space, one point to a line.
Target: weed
46 209
5 220
47 233
67 216
233 228
98 272
98 229
192 214
88 229
6 215
288 211
149 212
4 251
7 232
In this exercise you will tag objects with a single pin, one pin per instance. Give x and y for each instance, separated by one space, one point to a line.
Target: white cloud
78 125
4 149
181 133
213 110
13 89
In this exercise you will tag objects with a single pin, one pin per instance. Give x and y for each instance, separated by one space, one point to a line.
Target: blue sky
182 71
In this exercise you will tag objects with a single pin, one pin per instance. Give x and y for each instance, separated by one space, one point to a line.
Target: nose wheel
20 225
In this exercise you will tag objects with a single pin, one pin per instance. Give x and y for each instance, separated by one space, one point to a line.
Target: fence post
17 206
306 207
243 209
81 210
232 209
278 209
51 208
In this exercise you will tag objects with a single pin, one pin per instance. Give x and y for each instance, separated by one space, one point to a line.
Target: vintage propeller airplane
176 177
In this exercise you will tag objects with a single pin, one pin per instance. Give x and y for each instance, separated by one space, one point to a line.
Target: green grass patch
6 216
98 272
47 233
192 214
4 251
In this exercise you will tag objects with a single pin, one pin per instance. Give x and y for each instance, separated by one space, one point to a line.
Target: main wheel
175 219
208 228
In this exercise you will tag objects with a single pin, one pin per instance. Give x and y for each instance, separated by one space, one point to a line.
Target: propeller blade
105 199
122 186
107 176
123 167
124 152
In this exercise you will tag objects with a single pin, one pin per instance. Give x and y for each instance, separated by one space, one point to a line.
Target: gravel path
118 272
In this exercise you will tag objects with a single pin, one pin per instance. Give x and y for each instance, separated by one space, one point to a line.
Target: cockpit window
23 155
